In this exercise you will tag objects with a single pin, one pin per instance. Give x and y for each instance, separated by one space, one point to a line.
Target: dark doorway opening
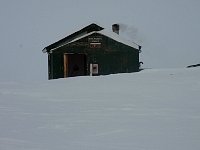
74 65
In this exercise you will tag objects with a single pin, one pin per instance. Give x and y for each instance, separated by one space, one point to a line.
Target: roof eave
44 50
54 45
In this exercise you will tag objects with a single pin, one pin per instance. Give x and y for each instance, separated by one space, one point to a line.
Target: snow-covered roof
74 35
118 38
74 40
106 33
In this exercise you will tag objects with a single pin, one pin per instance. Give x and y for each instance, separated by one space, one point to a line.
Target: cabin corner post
49 66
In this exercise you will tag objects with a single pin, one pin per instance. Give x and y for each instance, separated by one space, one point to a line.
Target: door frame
65 55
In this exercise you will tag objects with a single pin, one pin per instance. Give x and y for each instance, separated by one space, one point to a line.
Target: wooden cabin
92 50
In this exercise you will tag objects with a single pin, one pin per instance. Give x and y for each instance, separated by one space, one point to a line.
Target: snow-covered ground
149 110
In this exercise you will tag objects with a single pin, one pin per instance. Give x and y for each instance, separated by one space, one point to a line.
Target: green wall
112 57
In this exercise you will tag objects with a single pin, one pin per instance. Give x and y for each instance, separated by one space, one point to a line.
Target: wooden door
74 65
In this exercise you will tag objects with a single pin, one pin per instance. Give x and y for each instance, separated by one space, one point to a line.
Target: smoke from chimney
131 32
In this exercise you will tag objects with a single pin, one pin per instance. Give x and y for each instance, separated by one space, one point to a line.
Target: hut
93 51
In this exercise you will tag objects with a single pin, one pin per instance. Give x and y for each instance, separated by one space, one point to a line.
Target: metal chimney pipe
115 28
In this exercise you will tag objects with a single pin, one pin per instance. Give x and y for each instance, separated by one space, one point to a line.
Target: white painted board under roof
108 34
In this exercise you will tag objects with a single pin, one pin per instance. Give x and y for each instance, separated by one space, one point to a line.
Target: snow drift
149 110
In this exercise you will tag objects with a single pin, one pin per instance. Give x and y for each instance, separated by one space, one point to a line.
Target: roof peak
106 33
88 30
85 30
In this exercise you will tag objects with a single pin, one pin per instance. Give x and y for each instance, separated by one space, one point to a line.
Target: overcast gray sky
168 30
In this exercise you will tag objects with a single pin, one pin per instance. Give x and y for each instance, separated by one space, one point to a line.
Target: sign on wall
95 42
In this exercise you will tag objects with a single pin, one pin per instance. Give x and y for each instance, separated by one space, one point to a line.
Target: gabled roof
89 30
83 31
